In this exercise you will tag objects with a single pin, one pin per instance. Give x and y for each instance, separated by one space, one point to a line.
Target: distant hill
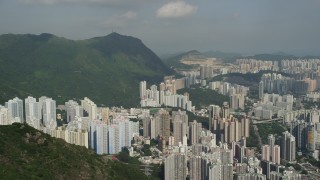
175 62
106 69
26 153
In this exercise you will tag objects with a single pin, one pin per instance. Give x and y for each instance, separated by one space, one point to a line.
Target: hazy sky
167 26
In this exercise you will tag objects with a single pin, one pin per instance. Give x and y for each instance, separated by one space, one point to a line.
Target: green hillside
106 69
202 98
26 153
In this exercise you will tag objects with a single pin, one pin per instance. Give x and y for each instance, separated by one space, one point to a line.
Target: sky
170 26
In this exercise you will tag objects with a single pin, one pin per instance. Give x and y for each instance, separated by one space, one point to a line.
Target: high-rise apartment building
288 147
275 157
5 117
266 152
237 101
261 89
195 132
15 108
175 167
300 132
160 126
271 143
143 89
147 126
180 126
73 110
33 111
48 112
90 108
195 167
214 112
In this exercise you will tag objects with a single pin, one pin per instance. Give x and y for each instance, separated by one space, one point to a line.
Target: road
312 170
266 121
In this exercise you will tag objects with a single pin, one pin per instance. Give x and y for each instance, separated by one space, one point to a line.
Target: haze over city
247 27
160 90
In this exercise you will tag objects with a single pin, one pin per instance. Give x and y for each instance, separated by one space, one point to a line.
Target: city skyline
247 27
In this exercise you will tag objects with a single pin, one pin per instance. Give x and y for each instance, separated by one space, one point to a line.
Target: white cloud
176 9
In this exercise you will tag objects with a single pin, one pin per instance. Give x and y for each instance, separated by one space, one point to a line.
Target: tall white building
5 117
33 110
143 90
102 138
15 108
121 132
116 138
90 108
48 112
73 109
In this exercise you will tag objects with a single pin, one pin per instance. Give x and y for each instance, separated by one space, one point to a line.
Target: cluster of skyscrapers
236 93
87 125
226 127
277 83
111 138
273 105
254 66
167 96
300 66
37 113
305 127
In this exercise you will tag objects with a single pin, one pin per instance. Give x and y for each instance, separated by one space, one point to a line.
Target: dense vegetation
202 98
105 69
157 170
270 128
252 140
26 153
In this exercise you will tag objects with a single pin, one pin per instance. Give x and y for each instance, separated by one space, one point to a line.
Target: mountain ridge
106 69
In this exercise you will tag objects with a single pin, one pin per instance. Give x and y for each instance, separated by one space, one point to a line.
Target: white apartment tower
15 108
73 110
143 90
5 117
90 108
33 110
48 112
